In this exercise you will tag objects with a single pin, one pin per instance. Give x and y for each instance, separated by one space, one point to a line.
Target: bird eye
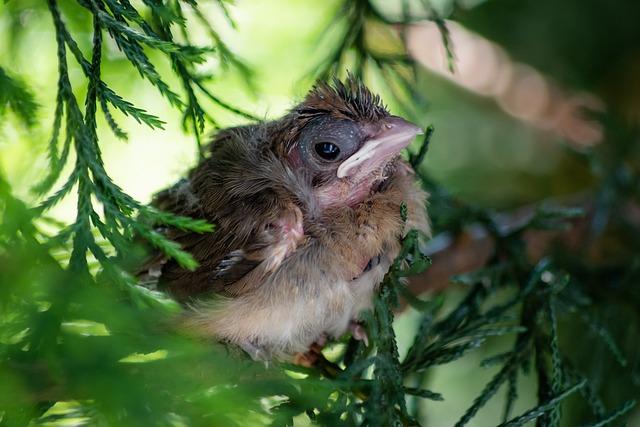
327 150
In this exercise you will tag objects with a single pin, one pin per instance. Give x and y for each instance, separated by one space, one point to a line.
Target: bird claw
311 357
255 352
308 359
358 332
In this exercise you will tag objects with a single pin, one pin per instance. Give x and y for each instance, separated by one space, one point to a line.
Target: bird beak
396 134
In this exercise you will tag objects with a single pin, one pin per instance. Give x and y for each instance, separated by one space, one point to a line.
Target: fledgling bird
307 215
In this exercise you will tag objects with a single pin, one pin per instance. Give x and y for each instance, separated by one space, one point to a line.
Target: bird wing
228 265
243 269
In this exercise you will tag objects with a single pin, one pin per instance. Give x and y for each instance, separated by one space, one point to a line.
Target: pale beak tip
398 123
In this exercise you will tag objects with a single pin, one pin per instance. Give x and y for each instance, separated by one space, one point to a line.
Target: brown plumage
307 215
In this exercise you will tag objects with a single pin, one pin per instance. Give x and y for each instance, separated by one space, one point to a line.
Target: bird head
345 140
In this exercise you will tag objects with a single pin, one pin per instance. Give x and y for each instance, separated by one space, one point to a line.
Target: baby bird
307 216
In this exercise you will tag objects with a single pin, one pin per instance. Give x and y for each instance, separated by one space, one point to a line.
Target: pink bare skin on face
370 164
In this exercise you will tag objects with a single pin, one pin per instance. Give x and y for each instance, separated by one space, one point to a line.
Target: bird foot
311 357
358 332
256 353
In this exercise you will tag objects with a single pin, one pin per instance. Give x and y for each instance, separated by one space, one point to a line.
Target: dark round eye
327 150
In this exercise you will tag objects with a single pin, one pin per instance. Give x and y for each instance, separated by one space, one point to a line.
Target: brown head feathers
349 100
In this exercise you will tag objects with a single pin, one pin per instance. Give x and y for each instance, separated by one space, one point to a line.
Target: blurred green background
477 142
513 121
